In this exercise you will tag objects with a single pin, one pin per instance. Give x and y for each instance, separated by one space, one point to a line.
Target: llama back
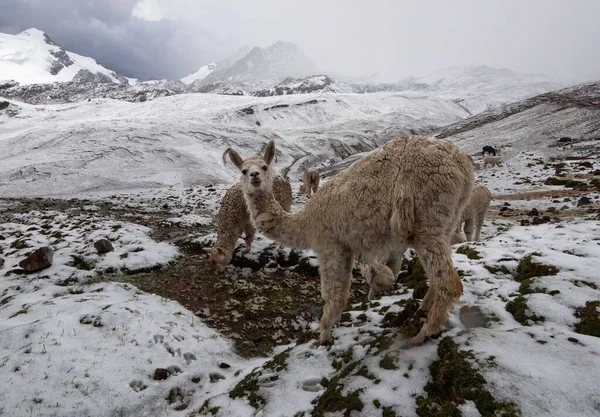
282 189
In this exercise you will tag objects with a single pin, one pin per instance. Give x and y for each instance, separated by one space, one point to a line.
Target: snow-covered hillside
31 57
565 118
178 140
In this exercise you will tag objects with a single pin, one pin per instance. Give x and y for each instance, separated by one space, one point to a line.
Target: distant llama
489 150
310 180
474 214
408 193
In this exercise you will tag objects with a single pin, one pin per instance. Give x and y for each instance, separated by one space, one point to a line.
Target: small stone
224 365
215 377
4 105
546 219
503 209
565 207
524 222
506 204
38 260
573 340
551 209
1 262
536 220
534 212
196 379
103 246
584 201
554 292
566 199
160 374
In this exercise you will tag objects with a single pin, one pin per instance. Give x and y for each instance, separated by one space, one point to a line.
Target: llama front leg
445 285
479 225
336 277
249 232
469 225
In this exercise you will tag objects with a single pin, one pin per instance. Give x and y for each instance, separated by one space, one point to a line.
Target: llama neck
289 229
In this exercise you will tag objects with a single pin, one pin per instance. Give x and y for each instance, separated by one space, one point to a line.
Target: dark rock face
38 260
1 262
103 246
62 60
4 105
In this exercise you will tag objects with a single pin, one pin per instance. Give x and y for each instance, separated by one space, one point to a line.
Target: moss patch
589 319
497 269
454 379
413 273
518 308
527 287
528 268
469 252
333 400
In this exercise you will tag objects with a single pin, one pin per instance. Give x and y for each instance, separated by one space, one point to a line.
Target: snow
108 145
199 75
26 58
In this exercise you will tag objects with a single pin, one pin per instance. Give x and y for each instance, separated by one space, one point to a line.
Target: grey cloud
394 37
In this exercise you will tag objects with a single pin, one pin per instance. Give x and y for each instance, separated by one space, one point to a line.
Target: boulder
103 246
37 260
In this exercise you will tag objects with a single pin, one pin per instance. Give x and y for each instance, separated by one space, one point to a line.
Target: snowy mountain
31 57
268 65
199 75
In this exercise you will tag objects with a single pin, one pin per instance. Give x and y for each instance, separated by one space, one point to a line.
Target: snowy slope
536 123
31 57
199 75
112 145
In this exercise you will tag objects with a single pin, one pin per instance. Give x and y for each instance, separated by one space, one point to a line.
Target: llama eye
264 167
244 171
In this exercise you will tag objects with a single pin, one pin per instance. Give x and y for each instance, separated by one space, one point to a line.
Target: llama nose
254 174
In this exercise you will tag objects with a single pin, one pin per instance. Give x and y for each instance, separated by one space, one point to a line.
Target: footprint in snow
189 357
137 385
312 385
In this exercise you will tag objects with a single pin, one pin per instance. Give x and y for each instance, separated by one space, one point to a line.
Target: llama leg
394 259
446 288
336 275
249 232
469 224
479 225
457 236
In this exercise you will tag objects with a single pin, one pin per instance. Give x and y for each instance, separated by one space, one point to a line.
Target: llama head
257 175
219 257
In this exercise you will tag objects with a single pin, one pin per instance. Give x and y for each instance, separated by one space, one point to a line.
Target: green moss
388 363
526 287
580 283
518 308
333 400
6 300
190 247
364 372
413 272
497 269
469 252
388 412
528 268
420 290
248 388
589 319
18 313
346 317
454 380
19 244
348 355
396 319
279 361
80 262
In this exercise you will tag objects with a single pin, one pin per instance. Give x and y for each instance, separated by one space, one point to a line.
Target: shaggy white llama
408 193
493 161
233 219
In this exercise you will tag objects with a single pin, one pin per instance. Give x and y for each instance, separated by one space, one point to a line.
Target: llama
474 214
476 165
233 219
408 193
311 181
379 277
492 161
489 150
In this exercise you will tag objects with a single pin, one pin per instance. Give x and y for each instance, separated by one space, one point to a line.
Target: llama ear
234 156
270 152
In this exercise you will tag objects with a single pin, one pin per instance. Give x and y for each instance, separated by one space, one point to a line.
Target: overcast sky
397 38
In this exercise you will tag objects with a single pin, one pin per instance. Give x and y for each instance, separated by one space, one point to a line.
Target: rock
536 220
554 292
551 210
573 340
546 219
224 365
524 222
503 209
4 105
506 204
104 246
37 260
1 262
584 201
160 374
215 377
534 212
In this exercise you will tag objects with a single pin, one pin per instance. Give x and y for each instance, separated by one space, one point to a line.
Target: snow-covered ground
76 344
106 145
